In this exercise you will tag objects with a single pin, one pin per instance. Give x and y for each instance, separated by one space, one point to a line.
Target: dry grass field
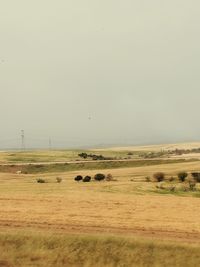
37 156
128 222
123 206
154 147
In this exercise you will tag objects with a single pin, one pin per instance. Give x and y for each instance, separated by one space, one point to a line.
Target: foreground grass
21 250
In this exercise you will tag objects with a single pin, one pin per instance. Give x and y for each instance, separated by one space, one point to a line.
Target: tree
78 178
99 177
83 155
86 179
159 176
182 176
196 176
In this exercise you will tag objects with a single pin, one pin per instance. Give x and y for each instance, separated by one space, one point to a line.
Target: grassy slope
63 167
22 250
55 155
68 155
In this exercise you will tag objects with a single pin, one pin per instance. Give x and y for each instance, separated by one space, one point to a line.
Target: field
125 222
154 147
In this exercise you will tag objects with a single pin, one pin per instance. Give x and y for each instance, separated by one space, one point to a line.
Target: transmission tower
22 140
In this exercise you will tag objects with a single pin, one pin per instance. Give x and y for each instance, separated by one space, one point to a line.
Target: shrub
86 179
78 178
192 185
109 177
58 179
99 177
83 155
182 176
185 188
159 176
39 166
160 186
41 181
148 179
196 176
172 188
171 179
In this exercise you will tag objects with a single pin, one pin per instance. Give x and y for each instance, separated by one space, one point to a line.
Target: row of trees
98 177
160 176
84 155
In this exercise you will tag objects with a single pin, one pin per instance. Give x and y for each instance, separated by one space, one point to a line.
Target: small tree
86 179
41 181
196 176
83 155
78 178
109 177
99 177
58 179
148 179
159 176
182 176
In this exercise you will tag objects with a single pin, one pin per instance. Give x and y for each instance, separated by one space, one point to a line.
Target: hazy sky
87 72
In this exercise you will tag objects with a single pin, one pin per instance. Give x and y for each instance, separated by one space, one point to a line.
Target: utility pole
22 140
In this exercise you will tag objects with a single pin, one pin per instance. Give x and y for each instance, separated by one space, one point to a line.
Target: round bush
182 176
86 179
41 181
159 176
196 176
78 178
99 177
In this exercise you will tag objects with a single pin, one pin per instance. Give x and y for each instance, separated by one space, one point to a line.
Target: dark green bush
159 176
196 176
41 181
78 178
182 176
86 179
83 155
99 177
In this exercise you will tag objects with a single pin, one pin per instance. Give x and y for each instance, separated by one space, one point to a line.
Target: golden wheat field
122 206
40 223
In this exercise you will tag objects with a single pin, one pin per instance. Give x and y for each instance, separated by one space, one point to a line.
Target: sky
91 73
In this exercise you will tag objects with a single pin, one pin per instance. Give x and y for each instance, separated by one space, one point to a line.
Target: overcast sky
90 72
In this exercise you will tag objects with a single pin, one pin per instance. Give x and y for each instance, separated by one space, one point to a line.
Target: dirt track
182 236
